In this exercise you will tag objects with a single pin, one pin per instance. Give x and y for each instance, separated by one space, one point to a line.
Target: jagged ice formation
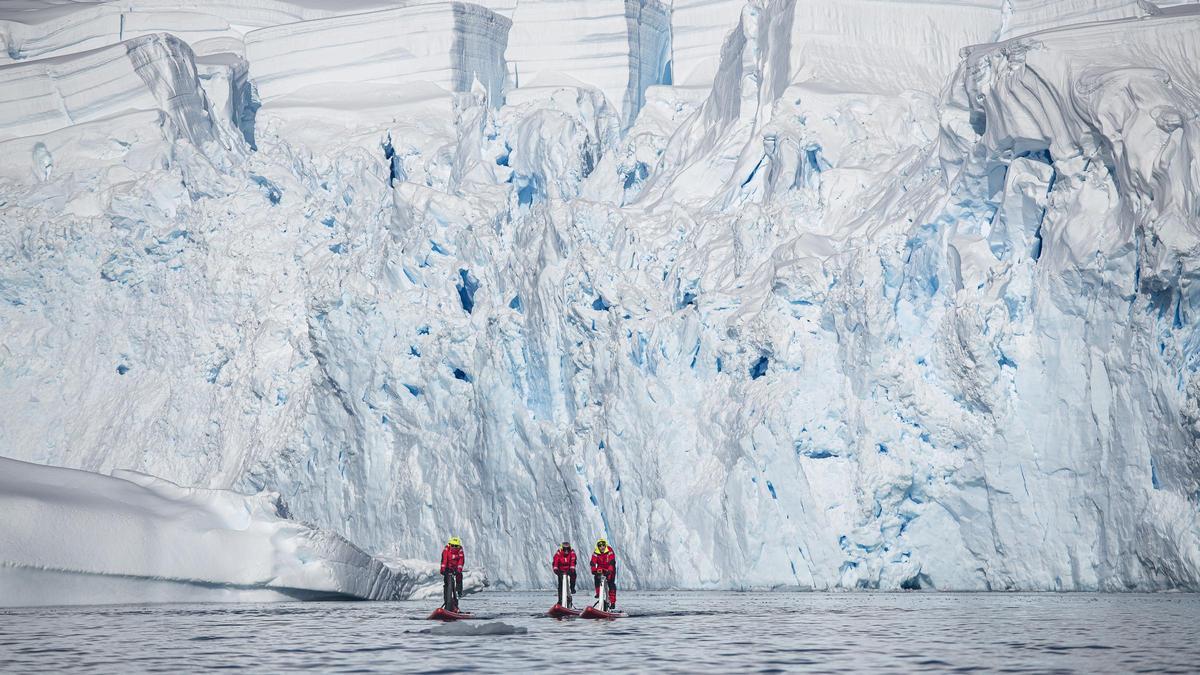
771 293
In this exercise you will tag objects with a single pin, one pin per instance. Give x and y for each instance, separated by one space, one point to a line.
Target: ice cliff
771 293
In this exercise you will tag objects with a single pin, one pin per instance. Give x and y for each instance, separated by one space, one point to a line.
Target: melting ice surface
771 293
685 632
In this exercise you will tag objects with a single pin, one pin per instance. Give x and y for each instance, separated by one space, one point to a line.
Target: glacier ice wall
771 293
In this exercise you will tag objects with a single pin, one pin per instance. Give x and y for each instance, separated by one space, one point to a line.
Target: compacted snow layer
55 31
155 72
451 44
883 295
74 537
619 46
32 29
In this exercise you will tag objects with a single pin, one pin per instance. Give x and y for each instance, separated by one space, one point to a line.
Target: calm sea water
683 632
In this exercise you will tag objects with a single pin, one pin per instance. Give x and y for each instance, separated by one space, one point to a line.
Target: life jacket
564 560
452 559
604 563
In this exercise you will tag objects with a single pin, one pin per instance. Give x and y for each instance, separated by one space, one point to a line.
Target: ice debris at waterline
460 628
74 537
772 293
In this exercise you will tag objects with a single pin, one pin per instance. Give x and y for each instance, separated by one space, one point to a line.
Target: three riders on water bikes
603 566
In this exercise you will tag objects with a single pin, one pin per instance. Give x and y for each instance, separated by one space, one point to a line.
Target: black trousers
571 574
612 582
451 589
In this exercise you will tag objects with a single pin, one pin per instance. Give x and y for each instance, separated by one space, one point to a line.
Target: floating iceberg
74 537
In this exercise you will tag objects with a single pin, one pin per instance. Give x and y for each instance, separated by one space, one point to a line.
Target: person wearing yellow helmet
604 565
452 572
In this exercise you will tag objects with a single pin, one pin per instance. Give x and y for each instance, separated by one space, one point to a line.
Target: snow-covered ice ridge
75 537
771 293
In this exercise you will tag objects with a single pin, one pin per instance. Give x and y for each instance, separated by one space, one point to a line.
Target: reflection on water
687 632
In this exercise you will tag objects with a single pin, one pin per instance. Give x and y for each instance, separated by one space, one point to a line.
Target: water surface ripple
675 632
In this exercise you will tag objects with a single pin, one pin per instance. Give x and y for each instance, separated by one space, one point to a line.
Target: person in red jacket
452 572
604 564
564 563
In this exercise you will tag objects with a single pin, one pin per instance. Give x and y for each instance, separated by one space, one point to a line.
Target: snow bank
74 537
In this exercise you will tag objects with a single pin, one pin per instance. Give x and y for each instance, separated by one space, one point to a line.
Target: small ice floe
491 628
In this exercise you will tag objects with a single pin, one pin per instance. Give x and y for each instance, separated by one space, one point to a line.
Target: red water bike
449 610
604 611
563 606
